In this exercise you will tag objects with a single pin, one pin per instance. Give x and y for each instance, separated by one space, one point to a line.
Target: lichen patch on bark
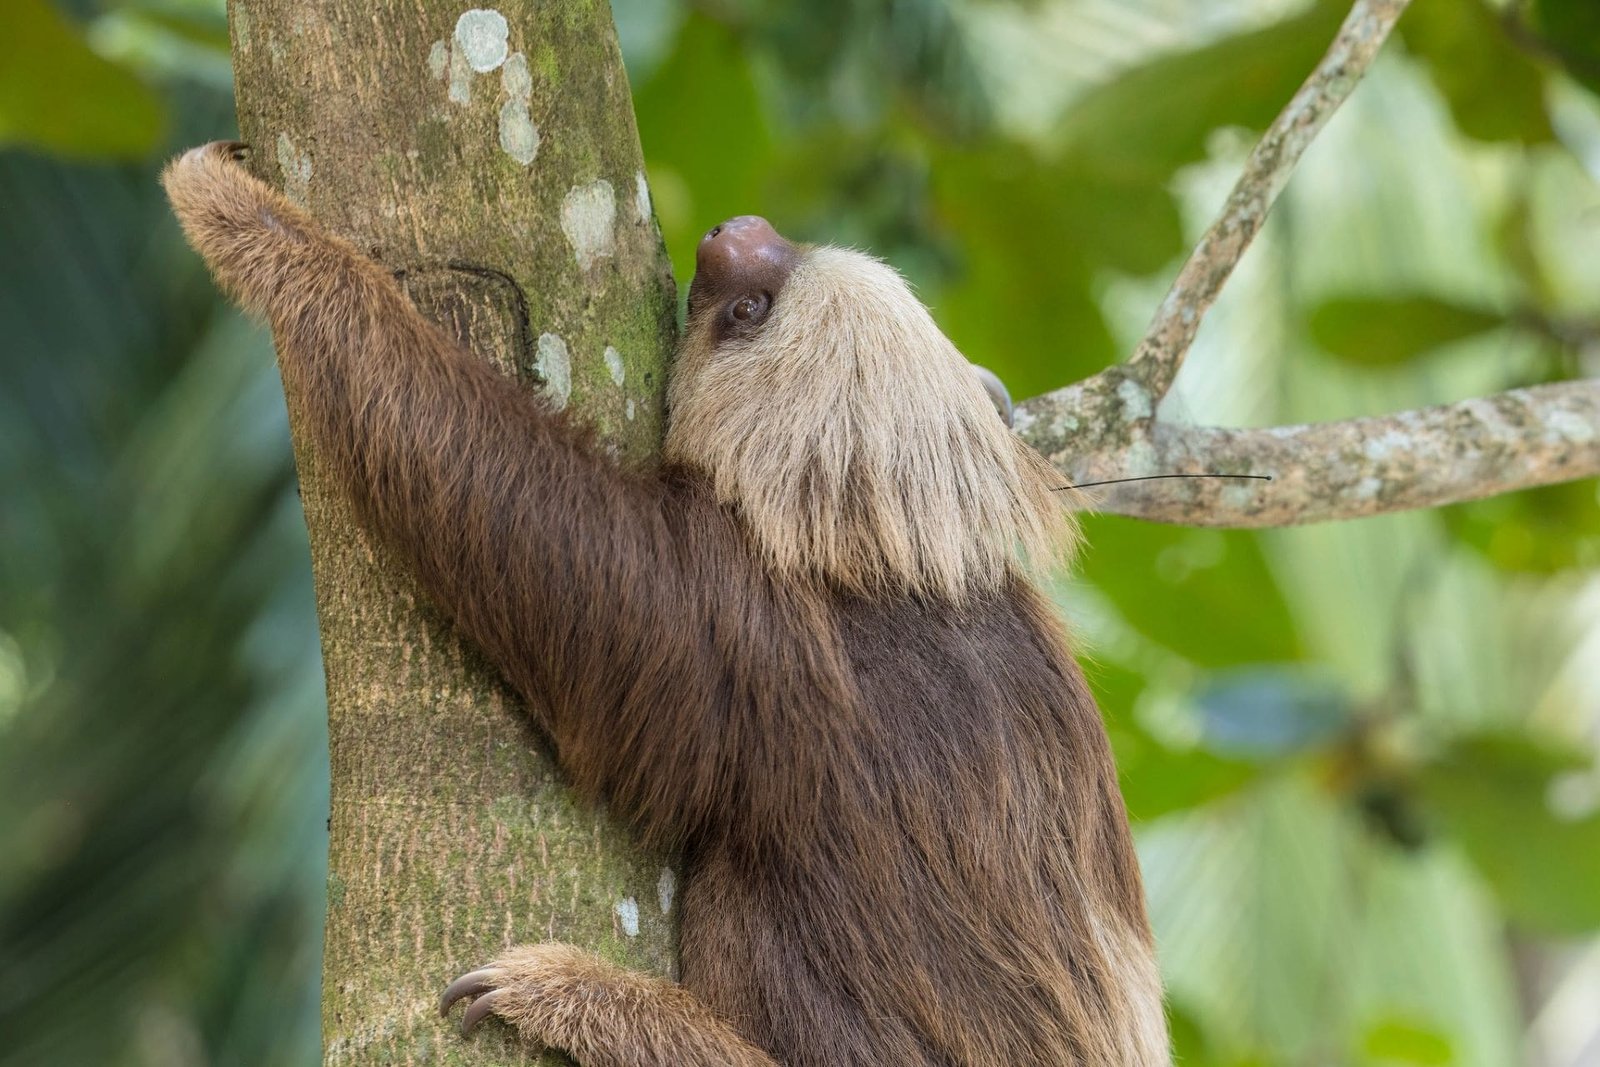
483 35
554 364
519 137
588 218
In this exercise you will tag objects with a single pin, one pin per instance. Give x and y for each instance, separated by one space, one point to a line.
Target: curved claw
478 1009
472 984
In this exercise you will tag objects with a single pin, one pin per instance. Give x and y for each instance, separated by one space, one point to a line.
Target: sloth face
824 405
740 268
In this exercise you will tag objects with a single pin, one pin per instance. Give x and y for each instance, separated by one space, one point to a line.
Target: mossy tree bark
489 157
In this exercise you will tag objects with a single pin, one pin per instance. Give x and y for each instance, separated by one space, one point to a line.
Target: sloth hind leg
559 996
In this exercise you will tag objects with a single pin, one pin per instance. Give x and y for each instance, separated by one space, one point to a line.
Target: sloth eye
748 310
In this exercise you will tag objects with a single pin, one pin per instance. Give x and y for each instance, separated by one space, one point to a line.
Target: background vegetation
1362 755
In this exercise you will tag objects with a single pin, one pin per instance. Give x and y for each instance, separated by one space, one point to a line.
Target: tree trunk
489 157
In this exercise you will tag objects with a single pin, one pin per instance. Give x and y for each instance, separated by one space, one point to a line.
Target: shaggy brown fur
803 653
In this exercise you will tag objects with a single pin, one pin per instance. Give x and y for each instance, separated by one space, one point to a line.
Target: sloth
809 650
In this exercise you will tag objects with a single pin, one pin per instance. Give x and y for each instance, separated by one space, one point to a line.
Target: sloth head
857 445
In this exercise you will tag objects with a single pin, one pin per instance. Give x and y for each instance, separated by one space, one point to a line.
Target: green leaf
57 95
1128 226
1515 756
1402 1041
1155 118
1023 303
1377 331
1207 595
1192 1045
1287 933
1116 688
1069 206
1493 792
1160 779
1495 92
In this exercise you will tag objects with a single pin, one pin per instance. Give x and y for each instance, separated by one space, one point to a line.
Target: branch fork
1107 426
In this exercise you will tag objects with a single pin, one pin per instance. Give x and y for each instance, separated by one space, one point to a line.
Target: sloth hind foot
559 996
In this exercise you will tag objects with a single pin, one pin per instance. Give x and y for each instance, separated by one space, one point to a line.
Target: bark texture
1334 470
489 157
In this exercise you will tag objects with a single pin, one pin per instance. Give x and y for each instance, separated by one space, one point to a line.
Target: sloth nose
735 248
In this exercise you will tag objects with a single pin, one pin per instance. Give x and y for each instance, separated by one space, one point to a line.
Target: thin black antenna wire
1155 477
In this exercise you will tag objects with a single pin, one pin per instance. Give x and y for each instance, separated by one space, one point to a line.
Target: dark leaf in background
1526 813
870 190
1390 810
1084 213
57 95
1571 28
1495 91
1380 331
1130 227
1270 712
1207 595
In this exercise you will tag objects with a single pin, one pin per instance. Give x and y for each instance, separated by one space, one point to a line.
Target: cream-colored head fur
857 444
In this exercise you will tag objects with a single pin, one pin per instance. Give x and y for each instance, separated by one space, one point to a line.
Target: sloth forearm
545 554
425 440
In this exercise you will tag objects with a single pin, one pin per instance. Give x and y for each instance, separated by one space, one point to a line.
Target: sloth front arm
626 605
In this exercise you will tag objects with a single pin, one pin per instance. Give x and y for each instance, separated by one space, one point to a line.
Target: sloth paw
559 996
223 151
209 189
526 987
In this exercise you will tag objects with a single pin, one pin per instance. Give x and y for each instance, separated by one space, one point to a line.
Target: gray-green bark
489 157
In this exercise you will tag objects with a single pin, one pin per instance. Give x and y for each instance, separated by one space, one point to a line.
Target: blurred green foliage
1361 756
108 111
161 790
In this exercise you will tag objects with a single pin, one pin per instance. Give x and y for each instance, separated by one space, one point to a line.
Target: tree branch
1159 355
1105 427
1343 470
